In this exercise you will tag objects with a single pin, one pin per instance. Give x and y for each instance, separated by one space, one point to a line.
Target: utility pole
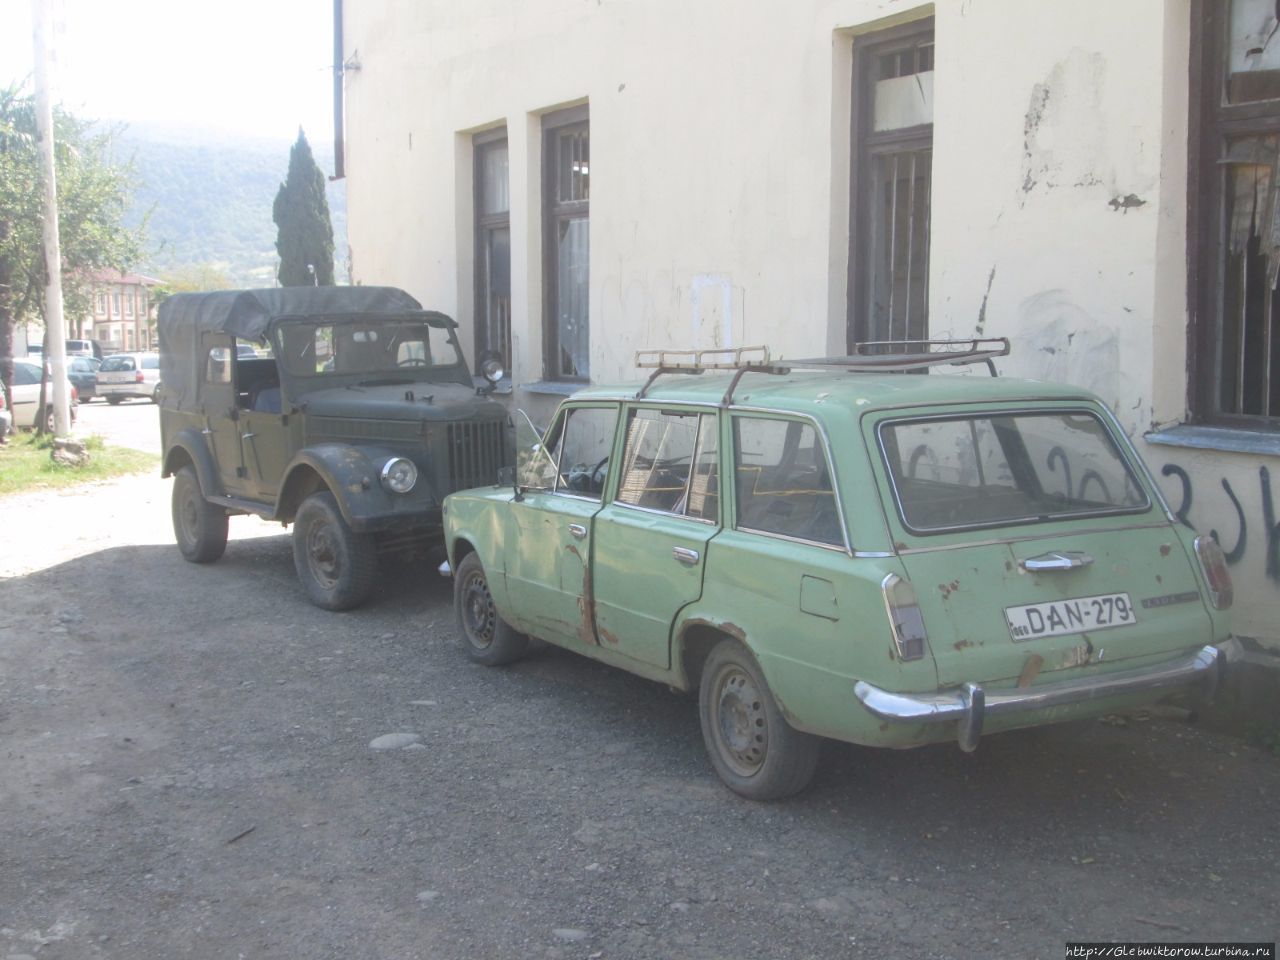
52 248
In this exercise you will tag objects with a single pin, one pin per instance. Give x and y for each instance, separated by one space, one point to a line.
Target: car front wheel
753 749
199 527
489 639
336 565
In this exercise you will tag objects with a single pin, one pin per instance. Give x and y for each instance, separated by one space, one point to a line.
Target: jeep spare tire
335 564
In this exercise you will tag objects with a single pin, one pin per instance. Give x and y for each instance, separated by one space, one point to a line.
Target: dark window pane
704 489
975 471
1253 52
572 293
783 484
899 268
494 196
496 304
573 166
582 451
657 459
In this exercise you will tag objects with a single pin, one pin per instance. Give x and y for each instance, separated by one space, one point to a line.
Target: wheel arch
697 637
189 449
302 480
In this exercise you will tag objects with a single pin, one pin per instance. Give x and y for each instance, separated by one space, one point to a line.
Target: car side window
576 452
783 484
661 451
218 369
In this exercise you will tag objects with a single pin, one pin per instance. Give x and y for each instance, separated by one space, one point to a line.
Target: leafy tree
94 189
301 212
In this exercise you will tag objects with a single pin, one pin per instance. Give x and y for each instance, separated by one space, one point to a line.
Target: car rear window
1001 470
150 363
116 363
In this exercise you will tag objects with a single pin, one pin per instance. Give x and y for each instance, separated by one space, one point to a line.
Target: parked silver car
125 375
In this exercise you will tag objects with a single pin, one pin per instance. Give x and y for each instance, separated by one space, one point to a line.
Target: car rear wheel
489 639
114 400
199 527
753 749
335 564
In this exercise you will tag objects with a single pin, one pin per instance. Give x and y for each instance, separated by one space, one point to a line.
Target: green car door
548 537
649 545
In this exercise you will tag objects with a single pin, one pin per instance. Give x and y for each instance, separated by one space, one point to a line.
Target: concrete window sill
1226 439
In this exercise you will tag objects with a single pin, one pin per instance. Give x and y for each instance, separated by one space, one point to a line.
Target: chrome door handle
685 555
207 432
246 436
578 530
1056 560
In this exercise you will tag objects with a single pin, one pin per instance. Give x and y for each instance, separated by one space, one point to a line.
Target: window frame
486 224
1212 121
555 212
865 145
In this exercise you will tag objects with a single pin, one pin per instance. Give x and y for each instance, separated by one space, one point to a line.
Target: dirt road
193 764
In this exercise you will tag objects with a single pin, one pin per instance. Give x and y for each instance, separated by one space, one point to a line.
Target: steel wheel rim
189 516
323 555
478 614
740 724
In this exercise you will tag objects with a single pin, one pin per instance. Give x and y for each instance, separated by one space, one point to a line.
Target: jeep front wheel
199 527
335 564
754 750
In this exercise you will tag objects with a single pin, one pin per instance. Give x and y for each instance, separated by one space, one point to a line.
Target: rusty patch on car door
586 602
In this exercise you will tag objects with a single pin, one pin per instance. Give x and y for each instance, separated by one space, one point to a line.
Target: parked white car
125 375
26 396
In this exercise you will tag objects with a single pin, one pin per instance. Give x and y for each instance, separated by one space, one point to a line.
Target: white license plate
1079 615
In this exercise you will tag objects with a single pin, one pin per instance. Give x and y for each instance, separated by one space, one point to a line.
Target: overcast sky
255 67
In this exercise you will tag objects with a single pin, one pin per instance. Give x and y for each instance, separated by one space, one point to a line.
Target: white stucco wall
720 189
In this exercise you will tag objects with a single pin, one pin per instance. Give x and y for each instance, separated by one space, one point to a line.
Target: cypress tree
304 238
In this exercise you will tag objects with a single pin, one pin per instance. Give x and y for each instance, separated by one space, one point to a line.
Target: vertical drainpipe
339 149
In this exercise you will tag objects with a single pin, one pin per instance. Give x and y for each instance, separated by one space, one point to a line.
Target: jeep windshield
375 350
954 472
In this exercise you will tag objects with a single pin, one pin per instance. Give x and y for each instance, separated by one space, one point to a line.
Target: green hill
209 202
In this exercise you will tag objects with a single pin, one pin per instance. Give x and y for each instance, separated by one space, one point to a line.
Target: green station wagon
834 549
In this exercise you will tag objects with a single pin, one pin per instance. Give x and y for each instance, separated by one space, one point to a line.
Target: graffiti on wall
1236 552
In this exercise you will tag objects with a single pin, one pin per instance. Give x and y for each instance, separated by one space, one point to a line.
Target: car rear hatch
1035 545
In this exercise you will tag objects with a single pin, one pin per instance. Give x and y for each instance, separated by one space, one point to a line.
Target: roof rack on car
873 356
741 359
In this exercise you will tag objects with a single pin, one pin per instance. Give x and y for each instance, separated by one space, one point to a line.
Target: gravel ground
194 763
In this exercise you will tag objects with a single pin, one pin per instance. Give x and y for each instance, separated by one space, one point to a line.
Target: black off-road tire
336 565
752 747
487 638
199 527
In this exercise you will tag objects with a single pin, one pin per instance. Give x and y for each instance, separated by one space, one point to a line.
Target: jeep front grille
476 451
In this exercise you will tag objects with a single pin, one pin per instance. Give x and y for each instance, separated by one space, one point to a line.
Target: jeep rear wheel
753 749
199 527
335 564
489 639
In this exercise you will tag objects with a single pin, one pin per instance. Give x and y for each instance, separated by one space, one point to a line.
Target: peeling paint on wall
1062 139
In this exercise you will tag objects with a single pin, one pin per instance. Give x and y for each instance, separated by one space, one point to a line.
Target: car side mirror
507 478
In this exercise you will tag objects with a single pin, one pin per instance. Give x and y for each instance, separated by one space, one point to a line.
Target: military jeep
346 411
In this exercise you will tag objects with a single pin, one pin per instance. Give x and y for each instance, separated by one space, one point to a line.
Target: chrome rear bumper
971 704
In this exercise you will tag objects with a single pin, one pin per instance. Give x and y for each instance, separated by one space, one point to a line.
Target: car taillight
904 616
137 377
1213 564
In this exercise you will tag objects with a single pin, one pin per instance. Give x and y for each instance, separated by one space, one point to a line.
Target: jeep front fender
352 475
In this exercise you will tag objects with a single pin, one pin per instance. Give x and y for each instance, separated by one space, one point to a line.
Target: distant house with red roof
121 313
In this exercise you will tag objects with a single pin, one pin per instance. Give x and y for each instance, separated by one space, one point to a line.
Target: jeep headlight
399 475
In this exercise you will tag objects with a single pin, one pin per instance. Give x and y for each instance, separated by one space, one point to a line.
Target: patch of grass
25 464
